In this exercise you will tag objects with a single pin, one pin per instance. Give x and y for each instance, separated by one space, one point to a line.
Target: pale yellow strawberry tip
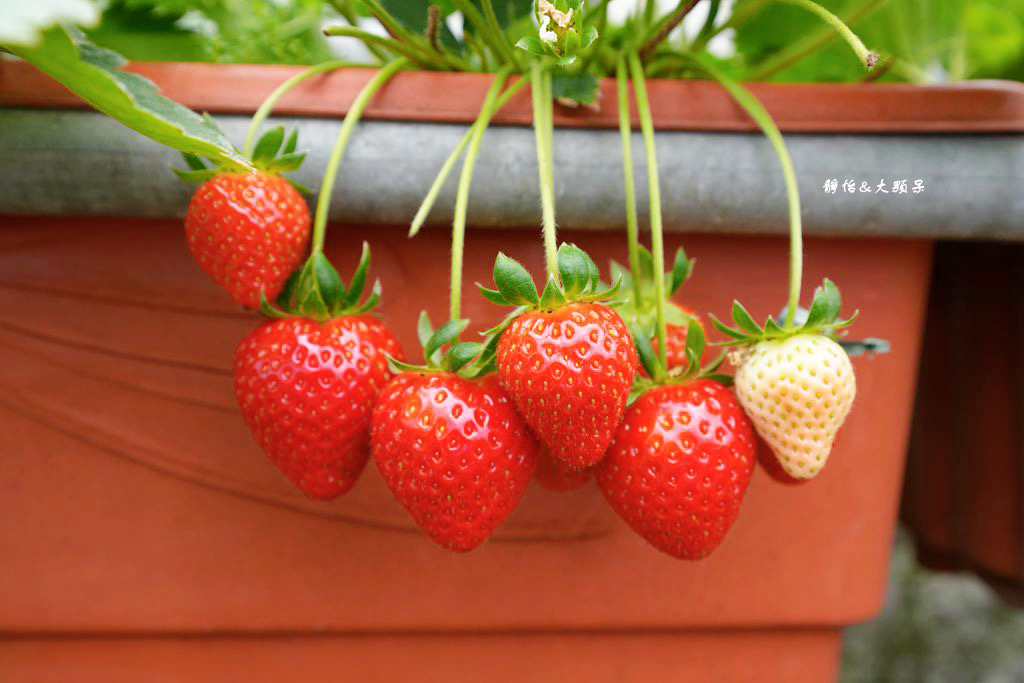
797 392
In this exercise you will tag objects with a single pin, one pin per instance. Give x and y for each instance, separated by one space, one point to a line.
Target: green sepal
446 334
328 282
372 301
292 143
311 304
194 162
645 351
772 329
574 269
270 310
728 331
681 270
606 295
424 328
493 295
553 297
532 45
268 146
588 37
398 367
461 355
696 341
286 163
825 306
514 282
195 176
300 188
724 380
358 282
745 321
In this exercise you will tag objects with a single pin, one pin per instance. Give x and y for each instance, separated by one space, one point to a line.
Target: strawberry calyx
822 318
457 359
638 305
317 292
658 375
273 155
578 281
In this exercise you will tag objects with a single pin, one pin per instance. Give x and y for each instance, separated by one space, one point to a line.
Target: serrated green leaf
744 320
95 75
825 306
268 146
514 282
552 296
461 355
447 333
574 269
581 87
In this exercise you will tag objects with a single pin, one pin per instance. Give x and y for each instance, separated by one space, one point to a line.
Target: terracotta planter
146 531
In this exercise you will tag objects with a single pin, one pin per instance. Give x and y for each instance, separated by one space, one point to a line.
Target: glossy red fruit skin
455 454
557 475
307 392
679 467
569 372
248 231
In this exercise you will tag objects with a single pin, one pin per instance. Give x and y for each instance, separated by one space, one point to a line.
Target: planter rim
439 97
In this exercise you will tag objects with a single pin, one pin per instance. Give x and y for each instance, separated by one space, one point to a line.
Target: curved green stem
465 180
543 122
763 119
866 56
345 9
268 104
420 57
355 112
442 175
643 106
626 131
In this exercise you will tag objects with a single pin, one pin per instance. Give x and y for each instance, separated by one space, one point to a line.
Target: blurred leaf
23 22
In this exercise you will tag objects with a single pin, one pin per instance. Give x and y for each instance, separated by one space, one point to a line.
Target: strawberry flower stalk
561 32
681 460
307 380
445 435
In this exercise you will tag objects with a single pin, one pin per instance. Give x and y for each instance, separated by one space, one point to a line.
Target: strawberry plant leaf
681 270
95 75
581 88
193 162
533 46
493 295
286 163
514 282
268 146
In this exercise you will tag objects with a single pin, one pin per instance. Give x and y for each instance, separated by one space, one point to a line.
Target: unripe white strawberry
797 392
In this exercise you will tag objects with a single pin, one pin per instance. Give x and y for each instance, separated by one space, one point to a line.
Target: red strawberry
307 390
454 452
569 372
679 467
555 474
675 348
248 231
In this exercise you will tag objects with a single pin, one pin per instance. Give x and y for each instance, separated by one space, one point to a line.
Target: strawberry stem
756 110
866 56
543 122
355 112
268 104
465 180
643 106
453 158
626 131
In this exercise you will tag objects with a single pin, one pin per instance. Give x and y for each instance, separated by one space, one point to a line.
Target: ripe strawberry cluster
555 392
